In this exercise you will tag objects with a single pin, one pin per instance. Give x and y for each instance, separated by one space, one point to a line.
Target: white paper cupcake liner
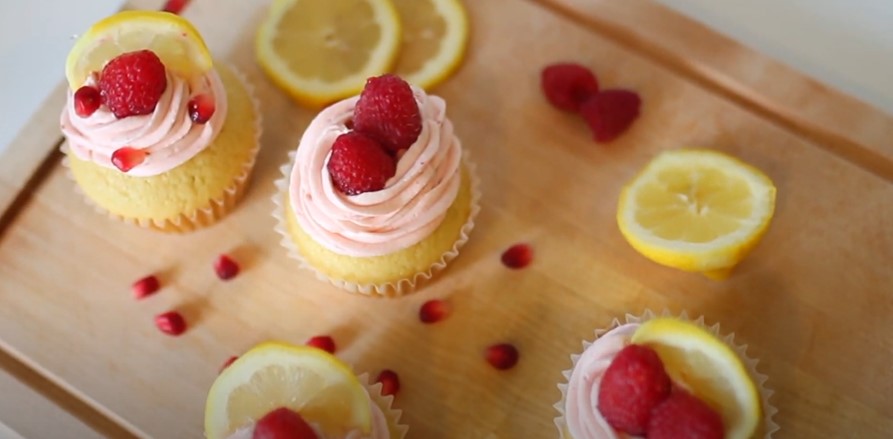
397 430
203 217
769 426
388 289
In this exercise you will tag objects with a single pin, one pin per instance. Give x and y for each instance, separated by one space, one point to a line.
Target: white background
845 43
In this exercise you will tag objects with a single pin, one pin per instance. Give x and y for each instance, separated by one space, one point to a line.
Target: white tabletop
847 44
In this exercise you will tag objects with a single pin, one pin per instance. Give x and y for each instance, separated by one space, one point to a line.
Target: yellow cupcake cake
157 134
378 196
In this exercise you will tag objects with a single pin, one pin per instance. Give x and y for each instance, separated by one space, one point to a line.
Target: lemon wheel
435 35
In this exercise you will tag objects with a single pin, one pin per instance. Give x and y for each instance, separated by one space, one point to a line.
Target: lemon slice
322 51
696 210
271 375
173 39
435 34
709 368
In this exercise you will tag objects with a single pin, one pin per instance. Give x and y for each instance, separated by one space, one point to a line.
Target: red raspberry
132 83
283 423
567 85
632 385
683 416
388 112
610 112
359 164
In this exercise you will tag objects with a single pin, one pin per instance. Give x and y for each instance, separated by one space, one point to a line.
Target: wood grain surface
813 301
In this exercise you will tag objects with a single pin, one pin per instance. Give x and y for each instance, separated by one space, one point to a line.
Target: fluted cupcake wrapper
199 218
768 427
388 289
397 430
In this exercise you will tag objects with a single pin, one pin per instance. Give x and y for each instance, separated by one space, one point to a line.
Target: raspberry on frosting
388 112
131 84
359 164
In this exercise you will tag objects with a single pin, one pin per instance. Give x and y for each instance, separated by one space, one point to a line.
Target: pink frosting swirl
584 421
410 207
168 134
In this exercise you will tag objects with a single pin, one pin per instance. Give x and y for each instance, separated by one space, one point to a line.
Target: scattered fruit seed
434 311
145 287
517 256
283 423
171 323
225 267
609 113
388 112
127 158
323 342
174 6
228 361
567 85
390 382
502 356
86 101
201 108
635 370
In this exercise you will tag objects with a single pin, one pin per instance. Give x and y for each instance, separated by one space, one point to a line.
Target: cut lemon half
708 368
304 379
435 34
696 210
322 51
172 38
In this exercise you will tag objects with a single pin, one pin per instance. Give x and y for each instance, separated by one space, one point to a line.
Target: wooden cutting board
813 301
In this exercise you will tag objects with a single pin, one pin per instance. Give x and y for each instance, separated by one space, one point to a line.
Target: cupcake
304 391
662 376
157 133
379 194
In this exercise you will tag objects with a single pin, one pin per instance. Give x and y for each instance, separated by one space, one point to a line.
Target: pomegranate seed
201 108
517 256
228 361
225 267
174 6
323 342
145 287
86 101
434 311
502 356
283 423
127 158
171 323
390 382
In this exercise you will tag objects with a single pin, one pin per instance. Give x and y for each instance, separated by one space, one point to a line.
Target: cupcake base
389 275
397 430
193 195
766 429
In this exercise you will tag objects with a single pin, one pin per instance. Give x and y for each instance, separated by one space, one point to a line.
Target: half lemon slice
435 34
307 380
708 368
322 51
172 38
696 210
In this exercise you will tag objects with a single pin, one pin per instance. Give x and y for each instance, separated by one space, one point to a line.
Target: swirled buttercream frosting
168 135
410 207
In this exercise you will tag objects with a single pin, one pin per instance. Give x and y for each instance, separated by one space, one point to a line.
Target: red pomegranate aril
86 101
225 267
127 158
174 6
201 108
145 287
171 323
283 423
517 256
390 382
502 356
323 342
228 361
434 311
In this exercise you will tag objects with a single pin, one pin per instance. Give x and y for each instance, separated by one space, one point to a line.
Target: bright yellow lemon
435 34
